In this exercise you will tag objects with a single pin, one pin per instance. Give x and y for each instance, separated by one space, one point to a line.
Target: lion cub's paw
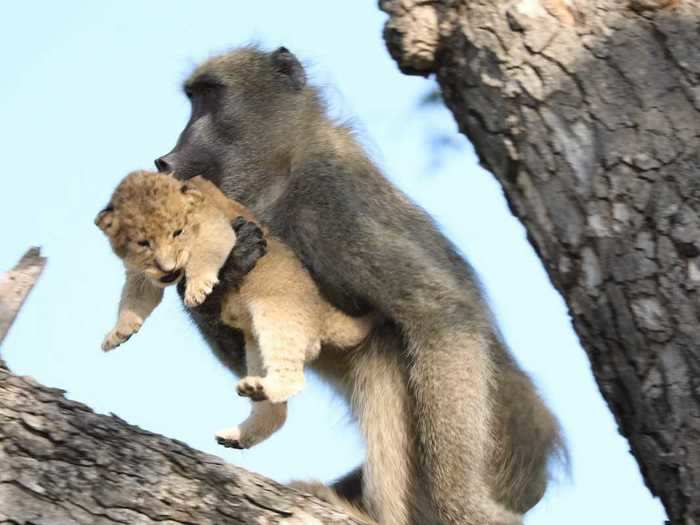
252 387
121 333
230 438
198 289
238 438
268 388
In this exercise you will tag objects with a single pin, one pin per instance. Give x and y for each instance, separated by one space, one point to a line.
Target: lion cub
164 229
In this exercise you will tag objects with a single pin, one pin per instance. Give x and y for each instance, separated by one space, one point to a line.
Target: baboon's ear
108 220
192 193
288 65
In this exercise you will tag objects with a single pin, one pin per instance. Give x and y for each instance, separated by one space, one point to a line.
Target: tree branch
62 463
15 286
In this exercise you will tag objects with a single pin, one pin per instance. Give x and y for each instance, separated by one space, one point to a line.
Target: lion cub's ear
108 221
193 194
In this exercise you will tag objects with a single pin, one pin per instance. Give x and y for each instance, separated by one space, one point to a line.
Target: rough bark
61 463
588 113
15 286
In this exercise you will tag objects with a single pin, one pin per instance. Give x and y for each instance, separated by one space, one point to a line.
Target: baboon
455 431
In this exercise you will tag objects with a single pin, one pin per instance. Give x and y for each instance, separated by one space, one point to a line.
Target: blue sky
91 91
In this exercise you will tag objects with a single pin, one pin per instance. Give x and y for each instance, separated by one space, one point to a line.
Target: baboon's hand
126 327
250 246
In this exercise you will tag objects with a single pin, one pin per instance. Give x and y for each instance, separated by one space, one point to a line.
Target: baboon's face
244 116
202 144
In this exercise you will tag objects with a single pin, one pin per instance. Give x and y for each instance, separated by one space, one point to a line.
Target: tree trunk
60 463
588 113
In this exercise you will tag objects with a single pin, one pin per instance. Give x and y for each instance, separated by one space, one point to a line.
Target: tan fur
284 320
278 307
181 231
139 299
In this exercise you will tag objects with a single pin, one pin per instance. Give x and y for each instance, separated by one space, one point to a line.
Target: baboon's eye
177 232
144 243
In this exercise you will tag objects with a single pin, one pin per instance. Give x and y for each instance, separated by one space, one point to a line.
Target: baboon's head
248 109
151 225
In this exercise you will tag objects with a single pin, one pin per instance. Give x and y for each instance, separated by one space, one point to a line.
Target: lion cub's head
151 224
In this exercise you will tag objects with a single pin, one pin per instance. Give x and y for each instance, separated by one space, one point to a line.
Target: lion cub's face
151 224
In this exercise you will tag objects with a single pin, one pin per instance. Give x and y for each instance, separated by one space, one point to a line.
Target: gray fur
455 432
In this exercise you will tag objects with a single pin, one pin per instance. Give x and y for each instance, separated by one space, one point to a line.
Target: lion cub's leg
139 299
345 331
285 335
265 417
215 240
